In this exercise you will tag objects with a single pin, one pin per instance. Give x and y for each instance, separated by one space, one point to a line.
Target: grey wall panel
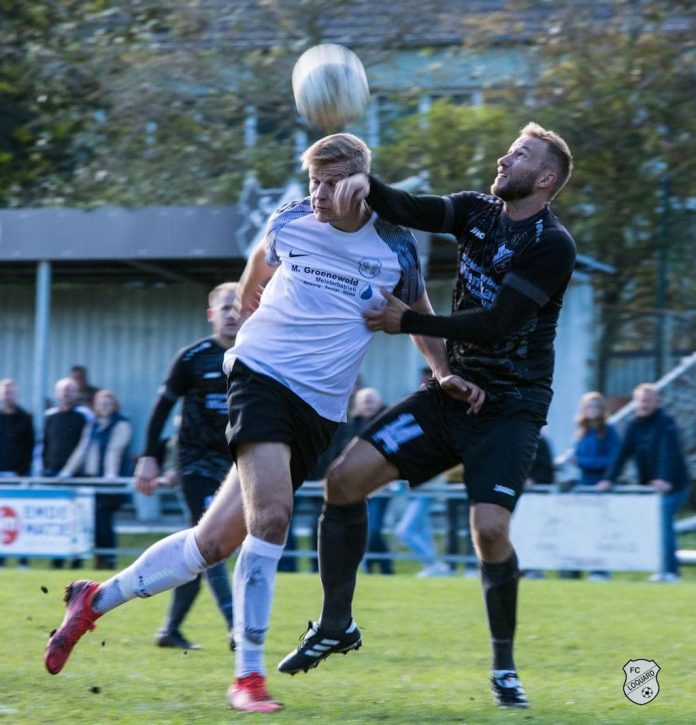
125 337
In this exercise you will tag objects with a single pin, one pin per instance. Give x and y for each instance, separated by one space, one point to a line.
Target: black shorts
198 493
262 410
430 432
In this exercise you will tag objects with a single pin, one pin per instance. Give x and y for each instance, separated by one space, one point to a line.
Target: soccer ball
330 86
647 692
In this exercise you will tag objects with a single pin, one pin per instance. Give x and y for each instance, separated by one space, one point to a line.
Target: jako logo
503 489
477 233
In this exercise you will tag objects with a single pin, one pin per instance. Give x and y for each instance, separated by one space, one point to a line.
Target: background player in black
515 261
203 458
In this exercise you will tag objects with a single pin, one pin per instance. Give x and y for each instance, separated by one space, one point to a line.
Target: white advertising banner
53 522
588 531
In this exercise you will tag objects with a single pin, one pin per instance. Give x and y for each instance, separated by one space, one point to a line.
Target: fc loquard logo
641 685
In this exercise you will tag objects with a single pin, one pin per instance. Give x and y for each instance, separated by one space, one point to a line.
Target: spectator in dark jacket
16 437
16 433
66 432
67 429
652 441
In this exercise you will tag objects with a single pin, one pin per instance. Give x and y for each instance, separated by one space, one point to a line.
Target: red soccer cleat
79 618
249 694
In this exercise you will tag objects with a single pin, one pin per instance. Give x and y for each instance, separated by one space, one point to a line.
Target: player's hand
350 192
456 387
388 319
146 474
246 303
603 485
661 485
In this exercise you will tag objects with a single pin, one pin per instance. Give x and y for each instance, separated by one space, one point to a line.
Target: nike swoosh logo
295 254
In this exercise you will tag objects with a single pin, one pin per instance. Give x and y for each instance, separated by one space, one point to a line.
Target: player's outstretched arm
388 318
255 275
435 352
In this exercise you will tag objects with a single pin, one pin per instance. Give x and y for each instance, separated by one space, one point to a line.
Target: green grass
425 655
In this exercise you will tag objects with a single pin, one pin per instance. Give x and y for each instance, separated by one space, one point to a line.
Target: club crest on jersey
641 685
369 267
503 258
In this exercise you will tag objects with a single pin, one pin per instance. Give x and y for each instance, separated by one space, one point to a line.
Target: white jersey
308 332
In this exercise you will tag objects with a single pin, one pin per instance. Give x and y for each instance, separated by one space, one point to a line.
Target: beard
514 189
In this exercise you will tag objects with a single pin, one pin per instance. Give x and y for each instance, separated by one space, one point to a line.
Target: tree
620 90
616 80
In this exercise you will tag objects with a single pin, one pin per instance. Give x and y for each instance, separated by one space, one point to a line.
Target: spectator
16 433
415 531
66 437
596 448
85 391
105 457
598 441
652 441
66 432
16 438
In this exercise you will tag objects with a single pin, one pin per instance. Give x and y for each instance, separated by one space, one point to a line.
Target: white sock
252 593
168 563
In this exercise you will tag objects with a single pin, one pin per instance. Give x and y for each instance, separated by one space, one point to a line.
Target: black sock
181 601
499 582
342 541
219 583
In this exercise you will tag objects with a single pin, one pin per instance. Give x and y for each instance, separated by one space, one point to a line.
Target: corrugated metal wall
125 336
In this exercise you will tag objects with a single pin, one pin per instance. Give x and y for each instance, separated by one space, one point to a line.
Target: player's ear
547 179
209 314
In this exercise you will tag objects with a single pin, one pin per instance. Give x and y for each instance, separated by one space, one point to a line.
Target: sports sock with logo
342 541
253 586
499 582
168 563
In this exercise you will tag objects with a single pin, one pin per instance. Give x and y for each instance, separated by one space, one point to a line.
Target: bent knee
271 522
340 489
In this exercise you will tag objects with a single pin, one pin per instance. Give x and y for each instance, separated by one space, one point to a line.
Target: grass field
425 656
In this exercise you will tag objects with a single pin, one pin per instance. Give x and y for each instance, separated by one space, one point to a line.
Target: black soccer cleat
507 690
175 640
317 644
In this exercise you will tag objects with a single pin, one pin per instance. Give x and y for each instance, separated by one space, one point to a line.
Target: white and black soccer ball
330 86
647 692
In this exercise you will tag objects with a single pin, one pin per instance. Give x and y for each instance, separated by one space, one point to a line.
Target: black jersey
534 256
196 375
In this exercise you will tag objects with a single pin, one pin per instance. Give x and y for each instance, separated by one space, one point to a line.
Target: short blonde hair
223 287
339 147
558 153
106 393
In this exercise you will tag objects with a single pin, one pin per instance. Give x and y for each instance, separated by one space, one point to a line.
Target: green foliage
621 93
425 656
457 146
